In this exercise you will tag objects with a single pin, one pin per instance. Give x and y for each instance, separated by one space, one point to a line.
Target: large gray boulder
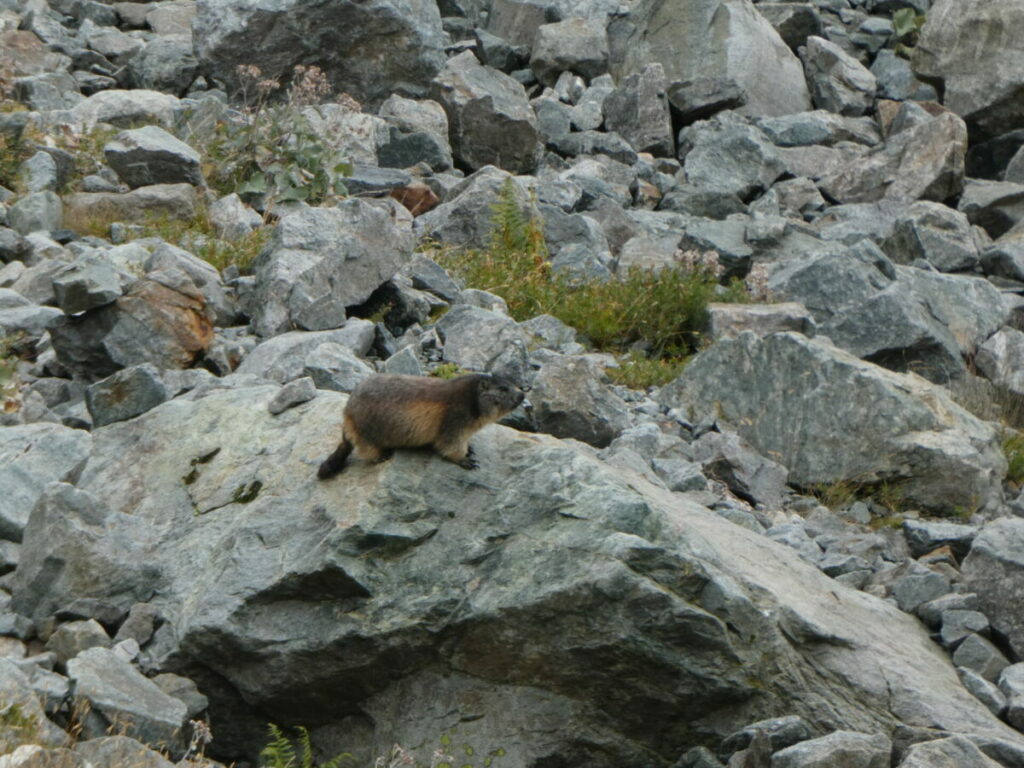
727 40
31 457
362 47
981 83
638 111
951 751
467 589
728 154
490 119
839 83
321 260
828 416
574 45
995 570
151 155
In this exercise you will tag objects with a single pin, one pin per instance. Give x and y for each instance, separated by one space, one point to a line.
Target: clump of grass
10 353
637 371
447 371
664 311
841 493
1013 448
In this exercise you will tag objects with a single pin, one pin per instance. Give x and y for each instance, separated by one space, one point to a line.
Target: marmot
388 411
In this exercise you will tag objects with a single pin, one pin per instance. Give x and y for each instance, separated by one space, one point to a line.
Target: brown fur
391 411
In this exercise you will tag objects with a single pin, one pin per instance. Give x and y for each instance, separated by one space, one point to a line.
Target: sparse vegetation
16 728
10 347
907 24
280 752
273 153
1013 448
663 313
638 371
447 371
841 493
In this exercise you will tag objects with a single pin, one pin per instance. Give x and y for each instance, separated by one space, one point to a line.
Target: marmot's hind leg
334 463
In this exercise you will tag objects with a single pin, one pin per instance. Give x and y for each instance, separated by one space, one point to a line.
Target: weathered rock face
363 48
994 569
321 260
973 51
828 416
490 120
166 325
433 597
726 40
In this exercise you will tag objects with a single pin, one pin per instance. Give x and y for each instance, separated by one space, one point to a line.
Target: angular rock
925 535
36 212
838 82
794 22
996 206
727 154
282 358
125 395
955 457
184 689
896 79
87 283
479 339
722 39
124 108
150 155
121 750
729 459
177 267
952 751
570 399
726 321
982 84
166 64
31 457
680 475
35 756
999 360
332 366
1011 683
979 655
819 127
321 260
233 219
840 749
957 625
782 732
573 45
987 693
934 233
491 122
173 202
638 111
120 696
363 48
343 550
995 570
70 639
295 392
150 323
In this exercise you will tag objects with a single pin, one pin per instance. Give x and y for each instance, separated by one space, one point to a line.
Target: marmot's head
498 395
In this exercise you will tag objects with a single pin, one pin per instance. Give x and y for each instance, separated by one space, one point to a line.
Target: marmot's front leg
459 453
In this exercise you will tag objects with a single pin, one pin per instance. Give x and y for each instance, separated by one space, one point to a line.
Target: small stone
125 395
984 691
1011 683
979 655
957 624
295 392
150 155
76 636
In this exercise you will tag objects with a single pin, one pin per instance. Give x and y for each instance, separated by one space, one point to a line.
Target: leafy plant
907 25
1013 449
637 371
280 751
273 152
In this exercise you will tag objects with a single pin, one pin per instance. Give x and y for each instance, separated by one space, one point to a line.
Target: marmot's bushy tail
334 463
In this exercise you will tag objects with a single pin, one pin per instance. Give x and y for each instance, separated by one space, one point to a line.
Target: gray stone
491 122
982 86
957 625
701 97
955 458
36 212
984 691
321 260
838 82
121 750
233 219
48 91
552 333
896 79
194 275
573 45
404 362
727 154
123 108
995 570
31 457
295 392
16 690
728 458
182 688
165 64
782 732
125 395
479 339
639 555
1011 683
934 233
952 751
931 612
728 320
594 142
70 639
13 247
30 319
333 366
587 113
571 399
819 127
839 749
39 173
171 202
795 536
120 696
282 358
364 49
88 282
999 360
554 119
500 54
922 162
638 111
427 275
996 206
415 116
741 48
166 325
925 535
979 655
150 155
794 22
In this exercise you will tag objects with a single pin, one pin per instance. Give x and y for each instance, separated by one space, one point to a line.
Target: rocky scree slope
643 580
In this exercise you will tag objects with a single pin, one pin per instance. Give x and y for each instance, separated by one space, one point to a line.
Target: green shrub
280 751
663 312
1013 448
273 153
